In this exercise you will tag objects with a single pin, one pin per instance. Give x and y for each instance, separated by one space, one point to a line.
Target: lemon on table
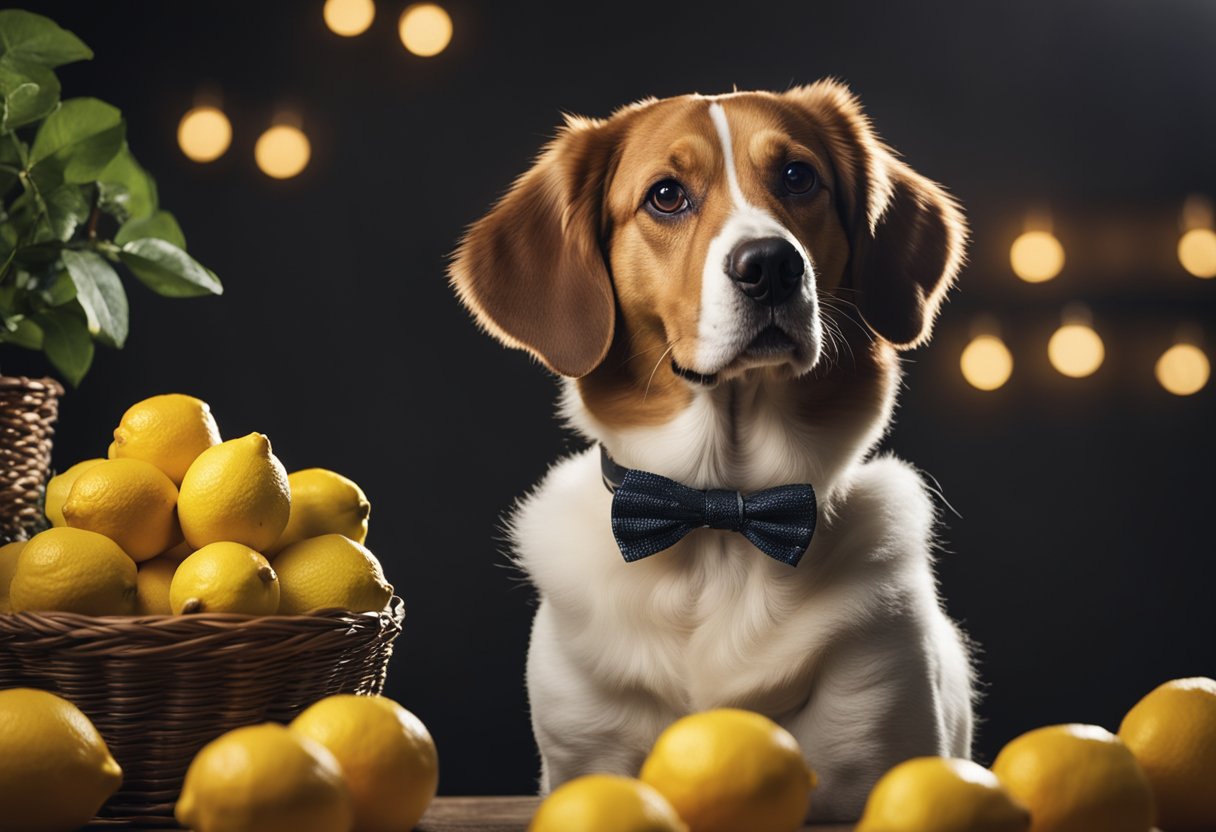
606 803
1075 778
58 487
322 502
8 565
225 577
73 570
264 778
55 769
386 755
1172 733
152 586
728 769
169 431
943 795
330 572
130 501
235 491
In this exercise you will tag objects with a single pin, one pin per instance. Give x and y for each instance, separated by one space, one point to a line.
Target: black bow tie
651 513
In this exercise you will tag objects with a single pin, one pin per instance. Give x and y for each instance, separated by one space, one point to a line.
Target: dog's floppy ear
907 236
532 270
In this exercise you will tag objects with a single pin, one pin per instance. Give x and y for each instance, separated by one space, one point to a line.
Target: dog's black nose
768 270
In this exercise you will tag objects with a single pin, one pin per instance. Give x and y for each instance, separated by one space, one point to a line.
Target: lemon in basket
8 565
152 586
130 501
225 577
943 795
235 491
168 431
324 502
386 755
55 769
330 572
606 803
59 486
73 570
264 778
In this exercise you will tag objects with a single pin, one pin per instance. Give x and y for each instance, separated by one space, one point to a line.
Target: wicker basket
159 688
28 409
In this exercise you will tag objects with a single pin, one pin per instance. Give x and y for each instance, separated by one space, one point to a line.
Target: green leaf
24 333
59 290
101 295
28 92
39 39
66 342
161 225
66 209
167 270
124 172
76 142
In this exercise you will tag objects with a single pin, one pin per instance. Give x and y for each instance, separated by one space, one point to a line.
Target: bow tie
651 513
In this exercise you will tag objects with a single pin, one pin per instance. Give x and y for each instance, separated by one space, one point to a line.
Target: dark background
1082 562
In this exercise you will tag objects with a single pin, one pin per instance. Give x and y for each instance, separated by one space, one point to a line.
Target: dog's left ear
907 236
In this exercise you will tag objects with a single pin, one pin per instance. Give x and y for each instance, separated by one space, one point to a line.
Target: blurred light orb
1036 256
1183 369
986 362
425 29
349 17
1076 350
282 151
204 134
1197 252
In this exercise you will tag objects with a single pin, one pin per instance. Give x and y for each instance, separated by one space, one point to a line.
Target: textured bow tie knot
723 509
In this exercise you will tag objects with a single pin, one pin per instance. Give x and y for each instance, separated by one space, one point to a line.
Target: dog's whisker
657 364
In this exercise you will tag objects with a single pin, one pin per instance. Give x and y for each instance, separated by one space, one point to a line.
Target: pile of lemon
735 771
176 521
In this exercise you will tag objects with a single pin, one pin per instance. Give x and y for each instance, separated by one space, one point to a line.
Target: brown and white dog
724 283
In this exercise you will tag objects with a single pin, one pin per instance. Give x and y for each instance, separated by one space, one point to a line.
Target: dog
723 285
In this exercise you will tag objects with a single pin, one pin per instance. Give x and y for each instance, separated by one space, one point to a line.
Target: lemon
1172 733
73 570
235 491
1076 778
58 487
729 769
8 565
323 502
264 778
130 501
168 431
606 803
55 769
112 451
386 755
331 572
943 795
225 577
152 586
178 553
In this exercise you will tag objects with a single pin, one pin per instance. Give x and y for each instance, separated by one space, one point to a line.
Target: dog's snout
768 270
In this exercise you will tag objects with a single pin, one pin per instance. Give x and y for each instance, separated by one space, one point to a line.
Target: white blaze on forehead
718 116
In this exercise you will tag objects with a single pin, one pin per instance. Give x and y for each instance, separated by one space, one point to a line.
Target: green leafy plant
74 205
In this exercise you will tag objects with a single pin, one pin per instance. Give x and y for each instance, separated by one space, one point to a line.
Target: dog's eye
799 177
668 197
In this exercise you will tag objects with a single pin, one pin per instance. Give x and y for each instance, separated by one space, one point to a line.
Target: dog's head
711 231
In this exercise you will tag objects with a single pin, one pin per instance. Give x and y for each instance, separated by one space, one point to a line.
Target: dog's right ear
532 271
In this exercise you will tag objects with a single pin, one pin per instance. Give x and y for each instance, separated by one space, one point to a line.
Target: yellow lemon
58 487
73 570
323 502
331 572
130 501
178 553
236 491
225 577
727 770
152 586
264 778
1076 778
943 795
168 431
386 755
1172 733
8 565
606 803
112 451
55 769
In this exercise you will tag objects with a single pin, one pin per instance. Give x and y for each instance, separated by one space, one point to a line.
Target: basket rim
44 383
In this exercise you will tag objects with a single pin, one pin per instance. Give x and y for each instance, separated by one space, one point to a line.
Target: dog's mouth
771 341
772 345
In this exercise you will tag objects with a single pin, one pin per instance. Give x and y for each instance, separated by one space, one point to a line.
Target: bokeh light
1183 369
282 151
1075 350
204 134
425 29
349 17
986 362
1197 252
1036 256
